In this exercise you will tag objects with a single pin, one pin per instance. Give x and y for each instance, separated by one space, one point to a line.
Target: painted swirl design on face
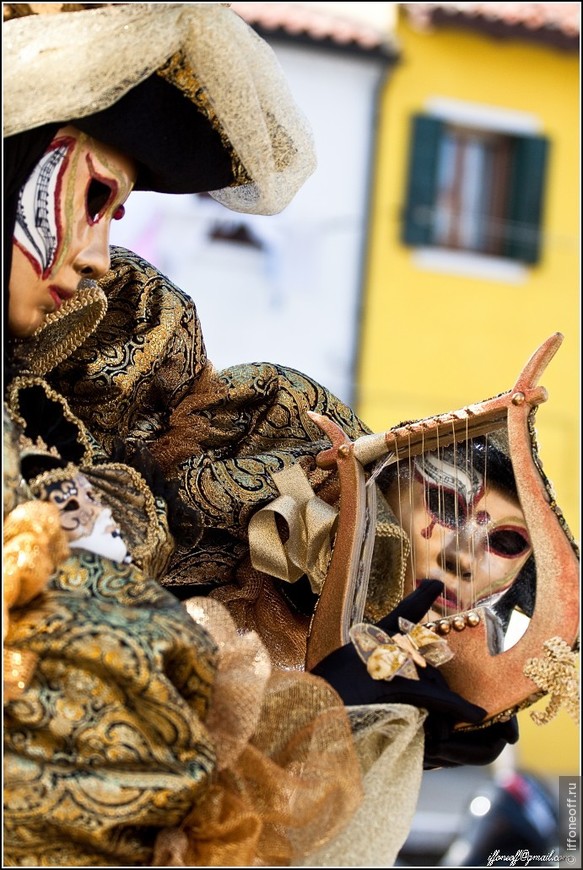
38 231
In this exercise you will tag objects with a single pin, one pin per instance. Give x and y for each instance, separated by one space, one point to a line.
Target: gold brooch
386 657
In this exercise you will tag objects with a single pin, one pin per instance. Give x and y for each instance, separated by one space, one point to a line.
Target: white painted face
104 539
88 524
466 532
65 209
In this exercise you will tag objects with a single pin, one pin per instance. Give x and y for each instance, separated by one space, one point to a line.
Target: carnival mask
62 225
481 529
88 524
465 528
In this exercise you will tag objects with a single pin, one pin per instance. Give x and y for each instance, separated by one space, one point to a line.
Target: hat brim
230 127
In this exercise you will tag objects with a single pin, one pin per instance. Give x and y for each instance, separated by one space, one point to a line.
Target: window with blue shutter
474 190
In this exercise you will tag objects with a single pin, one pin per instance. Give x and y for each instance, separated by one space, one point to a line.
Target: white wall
294 301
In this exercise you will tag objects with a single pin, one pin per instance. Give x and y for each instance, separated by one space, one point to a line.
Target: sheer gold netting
389 740
288 775
104 52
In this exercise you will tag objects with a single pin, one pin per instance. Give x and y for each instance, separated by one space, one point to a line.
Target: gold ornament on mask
556 674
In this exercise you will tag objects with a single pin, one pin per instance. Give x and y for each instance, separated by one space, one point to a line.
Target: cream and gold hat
188 90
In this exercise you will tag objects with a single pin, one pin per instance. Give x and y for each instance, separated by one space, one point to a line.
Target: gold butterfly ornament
388 656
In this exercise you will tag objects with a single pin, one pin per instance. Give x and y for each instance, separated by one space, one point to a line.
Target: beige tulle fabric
389 740
288 778
58 67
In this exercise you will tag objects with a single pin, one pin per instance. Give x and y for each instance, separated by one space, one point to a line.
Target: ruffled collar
63 331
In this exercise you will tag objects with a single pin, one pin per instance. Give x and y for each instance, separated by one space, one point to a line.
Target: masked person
140 729
461 511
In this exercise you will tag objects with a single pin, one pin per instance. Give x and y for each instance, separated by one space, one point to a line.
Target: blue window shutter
525 202
417 226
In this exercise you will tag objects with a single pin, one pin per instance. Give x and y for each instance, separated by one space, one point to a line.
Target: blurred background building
436 245
286 288
473 250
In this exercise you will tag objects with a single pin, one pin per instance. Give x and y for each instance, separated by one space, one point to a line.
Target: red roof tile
300 19
563 17
558 23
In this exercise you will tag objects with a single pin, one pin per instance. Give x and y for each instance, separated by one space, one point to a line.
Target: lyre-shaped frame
496 682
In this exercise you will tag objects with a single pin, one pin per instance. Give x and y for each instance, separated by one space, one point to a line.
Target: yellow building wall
434 342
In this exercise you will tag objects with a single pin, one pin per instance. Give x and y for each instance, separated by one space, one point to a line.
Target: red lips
59 295
447 602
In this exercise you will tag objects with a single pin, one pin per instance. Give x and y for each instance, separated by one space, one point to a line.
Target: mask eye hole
98 195
71 505
445 507
508 543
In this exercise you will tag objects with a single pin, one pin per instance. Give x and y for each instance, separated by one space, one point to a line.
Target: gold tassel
556 675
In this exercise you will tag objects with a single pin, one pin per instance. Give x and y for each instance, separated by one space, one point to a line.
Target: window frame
527 168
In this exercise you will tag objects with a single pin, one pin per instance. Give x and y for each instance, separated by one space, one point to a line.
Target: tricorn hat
188 90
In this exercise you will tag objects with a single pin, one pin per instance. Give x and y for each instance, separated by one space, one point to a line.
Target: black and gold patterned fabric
134 725
144 376
107 742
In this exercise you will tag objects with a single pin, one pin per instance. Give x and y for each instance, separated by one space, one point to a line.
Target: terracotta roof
298 19
536 19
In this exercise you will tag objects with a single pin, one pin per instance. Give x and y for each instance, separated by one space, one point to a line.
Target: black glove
447 748
347 674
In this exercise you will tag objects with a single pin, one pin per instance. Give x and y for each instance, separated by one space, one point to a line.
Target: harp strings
454 555
439 513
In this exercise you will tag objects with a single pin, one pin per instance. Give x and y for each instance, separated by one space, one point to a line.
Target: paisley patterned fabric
145 355
135 724
107 745
144 376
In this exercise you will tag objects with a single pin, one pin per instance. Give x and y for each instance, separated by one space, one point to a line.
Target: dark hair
480 454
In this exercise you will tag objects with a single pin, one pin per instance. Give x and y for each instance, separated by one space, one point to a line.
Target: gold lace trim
22 382
152 541
38 485
63 331
556 674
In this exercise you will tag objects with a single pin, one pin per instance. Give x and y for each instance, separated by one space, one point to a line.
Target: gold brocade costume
144 733
107 745
143 376
140 730
143 726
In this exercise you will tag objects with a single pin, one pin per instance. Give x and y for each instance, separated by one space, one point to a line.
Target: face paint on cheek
38 231
428 530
